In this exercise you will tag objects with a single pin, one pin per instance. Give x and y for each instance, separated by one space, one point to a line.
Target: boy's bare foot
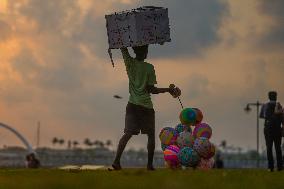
151 168
115 167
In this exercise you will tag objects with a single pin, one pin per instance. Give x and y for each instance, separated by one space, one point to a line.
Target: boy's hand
174 91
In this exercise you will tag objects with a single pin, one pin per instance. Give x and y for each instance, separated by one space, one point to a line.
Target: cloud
274 38
61 68
192 31
194 26
198 86
50 58
50 15
273 8
15 95
92 31
57 59
5 30
25 64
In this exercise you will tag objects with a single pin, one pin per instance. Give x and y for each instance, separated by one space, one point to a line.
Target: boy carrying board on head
140 115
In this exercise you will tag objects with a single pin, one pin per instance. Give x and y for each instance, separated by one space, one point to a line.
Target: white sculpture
26 143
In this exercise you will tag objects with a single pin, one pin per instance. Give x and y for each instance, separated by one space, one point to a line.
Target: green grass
140 178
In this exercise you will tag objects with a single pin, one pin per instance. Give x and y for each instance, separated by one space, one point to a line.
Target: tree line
86 142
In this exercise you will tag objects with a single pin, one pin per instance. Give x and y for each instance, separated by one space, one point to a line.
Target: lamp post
248 109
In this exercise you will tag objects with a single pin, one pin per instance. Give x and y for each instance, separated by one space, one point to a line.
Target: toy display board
137 27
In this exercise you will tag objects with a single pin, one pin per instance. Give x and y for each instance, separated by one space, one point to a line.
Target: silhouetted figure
32 161
273 114
140 114
219 164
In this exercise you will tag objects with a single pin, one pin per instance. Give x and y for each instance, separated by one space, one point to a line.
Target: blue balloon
188 157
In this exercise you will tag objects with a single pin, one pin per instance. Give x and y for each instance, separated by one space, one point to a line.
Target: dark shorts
139 119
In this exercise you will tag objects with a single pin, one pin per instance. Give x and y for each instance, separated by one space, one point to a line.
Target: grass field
139 178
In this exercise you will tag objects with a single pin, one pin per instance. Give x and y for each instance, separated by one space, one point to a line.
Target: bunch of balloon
187 147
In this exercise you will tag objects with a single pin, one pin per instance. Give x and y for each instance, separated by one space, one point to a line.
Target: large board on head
137 27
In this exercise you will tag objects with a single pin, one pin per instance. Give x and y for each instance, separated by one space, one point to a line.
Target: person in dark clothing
219 163
32 161
273 114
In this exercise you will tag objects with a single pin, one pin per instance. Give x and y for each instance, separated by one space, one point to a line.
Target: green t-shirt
140 75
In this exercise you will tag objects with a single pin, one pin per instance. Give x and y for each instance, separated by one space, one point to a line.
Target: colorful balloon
168 136
185 139
202 130
199 116
171 156
212 151
187 116
188 157
206 164
204 148
180 128
163 146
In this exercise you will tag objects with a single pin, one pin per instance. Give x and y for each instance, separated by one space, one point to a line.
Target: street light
248 110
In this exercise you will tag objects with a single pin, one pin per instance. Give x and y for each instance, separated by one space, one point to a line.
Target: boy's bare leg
151 150
121 146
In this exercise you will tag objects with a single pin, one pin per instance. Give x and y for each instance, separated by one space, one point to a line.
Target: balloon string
180 103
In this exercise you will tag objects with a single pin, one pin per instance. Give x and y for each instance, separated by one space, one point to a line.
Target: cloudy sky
54 67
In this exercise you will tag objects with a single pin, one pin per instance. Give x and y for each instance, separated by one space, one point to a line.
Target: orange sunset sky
54 67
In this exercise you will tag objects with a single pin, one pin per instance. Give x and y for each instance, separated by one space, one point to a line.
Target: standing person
219 163
273 114
32 161
140 115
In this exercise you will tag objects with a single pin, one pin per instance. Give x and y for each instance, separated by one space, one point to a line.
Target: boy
140 115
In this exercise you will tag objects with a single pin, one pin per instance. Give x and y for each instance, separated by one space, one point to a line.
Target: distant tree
101 144
224 146
54 140
98 144
88 142
108 143
75 143
61 142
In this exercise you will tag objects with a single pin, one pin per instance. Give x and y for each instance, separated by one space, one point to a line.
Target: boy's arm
155 90
125 54
174 91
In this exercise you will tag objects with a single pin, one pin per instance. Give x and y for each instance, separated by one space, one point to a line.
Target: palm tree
75 143
99 144
96 143
87 142
61 141
54 141
224 146
108 143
